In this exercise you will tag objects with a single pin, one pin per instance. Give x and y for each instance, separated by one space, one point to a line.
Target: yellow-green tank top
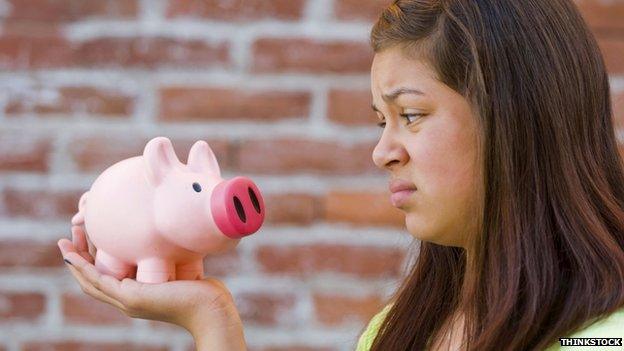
611 326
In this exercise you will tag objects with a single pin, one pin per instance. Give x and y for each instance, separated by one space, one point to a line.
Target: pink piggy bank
155 218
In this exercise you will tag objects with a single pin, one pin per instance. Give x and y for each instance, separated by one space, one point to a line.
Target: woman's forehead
391 70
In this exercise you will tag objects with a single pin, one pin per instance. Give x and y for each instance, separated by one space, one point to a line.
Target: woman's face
430 140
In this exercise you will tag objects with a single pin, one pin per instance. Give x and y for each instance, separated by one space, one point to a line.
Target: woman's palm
176 302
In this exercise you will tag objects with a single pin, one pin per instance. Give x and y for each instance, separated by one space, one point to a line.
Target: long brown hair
549 257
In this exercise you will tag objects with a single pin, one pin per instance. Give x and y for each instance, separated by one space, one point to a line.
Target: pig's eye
197 187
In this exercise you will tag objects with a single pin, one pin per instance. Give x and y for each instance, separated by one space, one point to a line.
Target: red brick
344 206
30 29
41 204
367 10
612 49
71 10
287 347
159 325
181 104
20 51
351 107
305 260
95 154
21 306
282 347
150 52
25 50
88 346
602 14
288 156
237 10
332 309
100 152
222 264
30 254
310 56
266 308
84 309
291 348
292 208
24 152
70 100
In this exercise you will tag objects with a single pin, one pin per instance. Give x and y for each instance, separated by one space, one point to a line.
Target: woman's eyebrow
395 93
402 90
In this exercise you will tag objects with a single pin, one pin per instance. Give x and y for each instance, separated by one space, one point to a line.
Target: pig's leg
110 265
190 271
155 270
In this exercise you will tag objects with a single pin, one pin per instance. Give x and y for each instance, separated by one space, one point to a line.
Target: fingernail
67 261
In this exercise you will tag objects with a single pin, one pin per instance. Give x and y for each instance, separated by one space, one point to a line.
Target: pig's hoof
154 277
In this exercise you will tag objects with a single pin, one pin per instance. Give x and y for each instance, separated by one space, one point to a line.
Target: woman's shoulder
610 326
366 339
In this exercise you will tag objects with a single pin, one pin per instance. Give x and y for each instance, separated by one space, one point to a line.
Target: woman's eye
407 116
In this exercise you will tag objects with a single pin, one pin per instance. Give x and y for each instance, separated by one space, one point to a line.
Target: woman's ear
201 159
159 158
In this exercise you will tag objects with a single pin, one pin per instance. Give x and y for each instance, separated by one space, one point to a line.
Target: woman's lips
400 198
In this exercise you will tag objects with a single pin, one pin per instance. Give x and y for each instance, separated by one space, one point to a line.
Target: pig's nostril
240 210
254 200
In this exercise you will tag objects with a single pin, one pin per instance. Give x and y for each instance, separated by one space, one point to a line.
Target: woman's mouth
400 198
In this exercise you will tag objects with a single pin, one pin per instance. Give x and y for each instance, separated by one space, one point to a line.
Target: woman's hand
203 307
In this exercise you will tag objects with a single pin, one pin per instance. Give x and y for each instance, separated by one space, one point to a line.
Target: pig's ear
159 158
202 159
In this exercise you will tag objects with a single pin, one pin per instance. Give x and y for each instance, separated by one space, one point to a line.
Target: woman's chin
422 230
417 227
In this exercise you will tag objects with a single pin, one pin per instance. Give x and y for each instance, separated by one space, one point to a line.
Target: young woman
499 142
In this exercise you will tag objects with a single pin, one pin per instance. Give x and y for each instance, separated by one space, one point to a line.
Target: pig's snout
237 207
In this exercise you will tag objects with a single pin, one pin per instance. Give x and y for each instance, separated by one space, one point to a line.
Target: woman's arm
223 340
224 333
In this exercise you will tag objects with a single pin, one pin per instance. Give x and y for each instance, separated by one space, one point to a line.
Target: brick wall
280 90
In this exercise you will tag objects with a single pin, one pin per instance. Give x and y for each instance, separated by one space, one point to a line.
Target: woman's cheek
430 158
443 169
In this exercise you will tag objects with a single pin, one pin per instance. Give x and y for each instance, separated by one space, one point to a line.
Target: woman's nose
389 152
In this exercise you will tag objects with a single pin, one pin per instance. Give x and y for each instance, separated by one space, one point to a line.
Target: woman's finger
92 248
106 284
79 239
93 277
90 290
80 242
68 250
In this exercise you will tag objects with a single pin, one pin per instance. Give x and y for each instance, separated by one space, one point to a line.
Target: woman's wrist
220 341
223 333
220 338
